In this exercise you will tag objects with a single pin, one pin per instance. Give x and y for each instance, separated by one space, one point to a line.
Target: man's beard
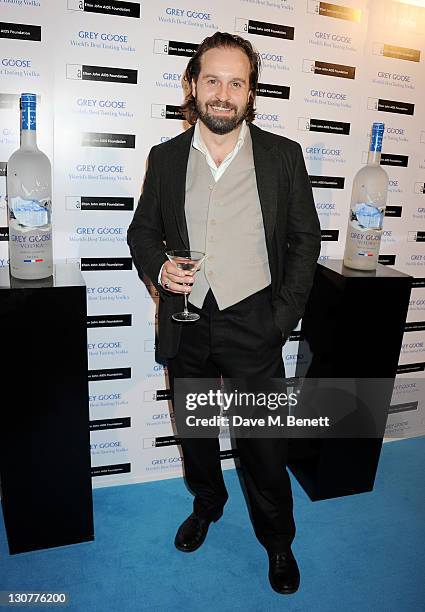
217 124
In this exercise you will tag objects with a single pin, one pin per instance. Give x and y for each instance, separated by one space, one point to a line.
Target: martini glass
186 260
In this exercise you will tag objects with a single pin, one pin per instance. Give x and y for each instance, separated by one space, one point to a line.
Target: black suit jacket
291 225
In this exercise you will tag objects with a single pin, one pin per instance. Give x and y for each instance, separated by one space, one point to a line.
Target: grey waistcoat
224 220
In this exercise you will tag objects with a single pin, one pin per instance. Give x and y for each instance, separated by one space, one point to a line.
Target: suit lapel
267 170
177 184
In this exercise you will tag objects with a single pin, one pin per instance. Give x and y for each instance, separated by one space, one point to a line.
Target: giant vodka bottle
367 208
29 198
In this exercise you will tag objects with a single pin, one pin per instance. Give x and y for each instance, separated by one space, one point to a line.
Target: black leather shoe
284 574
192 532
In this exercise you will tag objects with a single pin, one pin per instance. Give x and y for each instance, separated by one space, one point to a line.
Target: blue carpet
360 553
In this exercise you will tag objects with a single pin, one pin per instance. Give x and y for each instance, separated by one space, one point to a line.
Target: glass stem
186 310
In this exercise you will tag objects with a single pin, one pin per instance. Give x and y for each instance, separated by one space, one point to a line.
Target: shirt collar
199 144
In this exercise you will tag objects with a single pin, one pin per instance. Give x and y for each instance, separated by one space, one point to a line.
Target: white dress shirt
218 171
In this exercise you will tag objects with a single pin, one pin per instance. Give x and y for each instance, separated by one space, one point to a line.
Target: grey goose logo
4 234
108 7
83 72
20 31
263 28
3 168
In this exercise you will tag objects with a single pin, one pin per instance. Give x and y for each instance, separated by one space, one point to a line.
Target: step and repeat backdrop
108 78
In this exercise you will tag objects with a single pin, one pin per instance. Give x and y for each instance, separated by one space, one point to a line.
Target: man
243 196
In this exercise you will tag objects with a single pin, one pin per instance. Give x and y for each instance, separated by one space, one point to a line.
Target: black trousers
241 341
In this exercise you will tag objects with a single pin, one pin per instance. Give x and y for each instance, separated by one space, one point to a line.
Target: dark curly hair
220 39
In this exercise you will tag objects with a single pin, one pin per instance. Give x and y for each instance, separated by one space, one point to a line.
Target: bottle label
364 216
30 251
365 229
30 213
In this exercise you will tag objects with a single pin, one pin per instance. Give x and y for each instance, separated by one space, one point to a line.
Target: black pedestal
352 328
44 434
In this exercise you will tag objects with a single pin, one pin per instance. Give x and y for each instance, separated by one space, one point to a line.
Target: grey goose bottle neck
28 121
375 147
